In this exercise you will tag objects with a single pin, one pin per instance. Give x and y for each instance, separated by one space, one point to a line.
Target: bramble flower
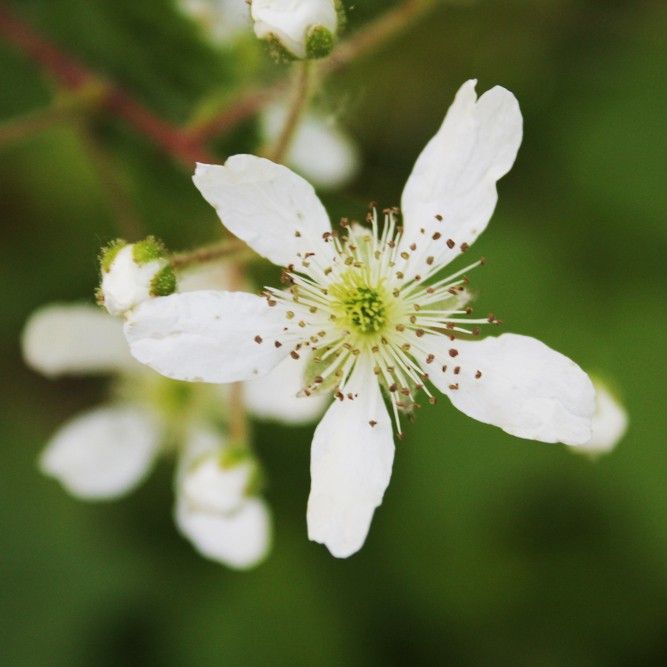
371 311
610 422
106 452
304 28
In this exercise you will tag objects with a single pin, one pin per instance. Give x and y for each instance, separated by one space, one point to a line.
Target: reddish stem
71 74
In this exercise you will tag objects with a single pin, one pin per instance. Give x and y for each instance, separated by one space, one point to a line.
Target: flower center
364 308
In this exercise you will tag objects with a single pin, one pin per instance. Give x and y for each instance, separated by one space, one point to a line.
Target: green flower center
364 308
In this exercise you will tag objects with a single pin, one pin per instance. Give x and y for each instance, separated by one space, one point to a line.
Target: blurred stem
228 248
66 107
114 190
300 99
367 39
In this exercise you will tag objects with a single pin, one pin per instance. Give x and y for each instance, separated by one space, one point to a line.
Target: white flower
132 273
223 20
371 311
215 507
105 452
320 151
306 28
610 422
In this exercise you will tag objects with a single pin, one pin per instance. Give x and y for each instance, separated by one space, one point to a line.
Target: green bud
163 282
109 252
319 42
148 250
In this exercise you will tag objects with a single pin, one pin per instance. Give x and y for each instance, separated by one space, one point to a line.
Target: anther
478 375
436 236
453 353
258 339
450 243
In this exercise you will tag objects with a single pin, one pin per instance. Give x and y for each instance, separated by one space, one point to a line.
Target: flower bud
302 28
132 273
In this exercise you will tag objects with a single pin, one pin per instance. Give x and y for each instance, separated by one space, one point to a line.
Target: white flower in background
106 452
305 28
320 150
610 422
370 311
132 273
223 20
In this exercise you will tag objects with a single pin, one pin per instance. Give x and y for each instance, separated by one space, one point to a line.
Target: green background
487 550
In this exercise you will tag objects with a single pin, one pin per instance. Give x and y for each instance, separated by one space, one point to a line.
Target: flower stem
228 248
300 99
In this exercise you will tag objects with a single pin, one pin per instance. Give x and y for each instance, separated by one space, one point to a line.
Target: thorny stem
300 99
211 253
374 35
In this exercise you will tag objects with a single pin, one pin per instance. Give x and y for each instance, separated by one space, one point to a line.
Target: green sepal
279 52
163 282
341 13
109 253
148 250
319 42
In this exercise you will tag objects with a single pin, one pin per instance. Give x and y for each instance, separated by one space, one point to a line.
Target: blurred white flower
320 150
371 313
610 422
305 28
105 452
222 20
133 273
215 507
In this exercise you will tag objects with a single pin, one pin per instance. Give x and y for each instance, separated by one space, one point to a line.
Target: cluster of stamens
363 298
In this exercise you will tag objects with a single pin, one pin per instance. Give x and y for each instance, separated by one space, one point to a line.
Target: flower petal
75 338
610 422
350 466
517 383
206 336
455 175
276 395
103 453
240 540
276 212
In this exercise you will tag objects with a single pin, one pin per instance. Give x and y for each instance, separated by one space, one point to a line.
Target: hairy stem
300 99
229 248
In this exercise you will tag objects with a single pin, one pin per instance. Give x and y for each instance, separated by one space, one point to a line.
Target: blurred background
487 550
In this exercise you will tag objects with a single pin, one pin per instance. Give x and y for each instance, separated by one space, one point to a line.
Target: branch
72 75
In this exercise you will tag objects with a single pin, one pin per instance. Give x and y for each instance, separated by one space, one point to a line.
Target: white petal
525 387
240 540
103 453
335 160
275 396
610 422
206 336
350 466
223 20
455 175
203 479
71 339
290 20
276 212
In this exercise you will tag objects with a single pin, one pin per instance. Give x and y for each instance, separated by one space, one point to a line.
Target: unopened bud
303 28
133 273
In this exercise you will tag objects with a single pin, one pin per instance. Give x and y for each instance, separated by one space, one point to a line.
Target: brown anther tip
430 259
491 318
294 355
444 368
436 236
393 388
258 339
297 233
400 435
277 343
476 331
457 370
453 353
372 423
413 247
339 395
454 387
464 247
419 333
450 243
432 400
438 217
482 260
478 375
468 310
430 358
